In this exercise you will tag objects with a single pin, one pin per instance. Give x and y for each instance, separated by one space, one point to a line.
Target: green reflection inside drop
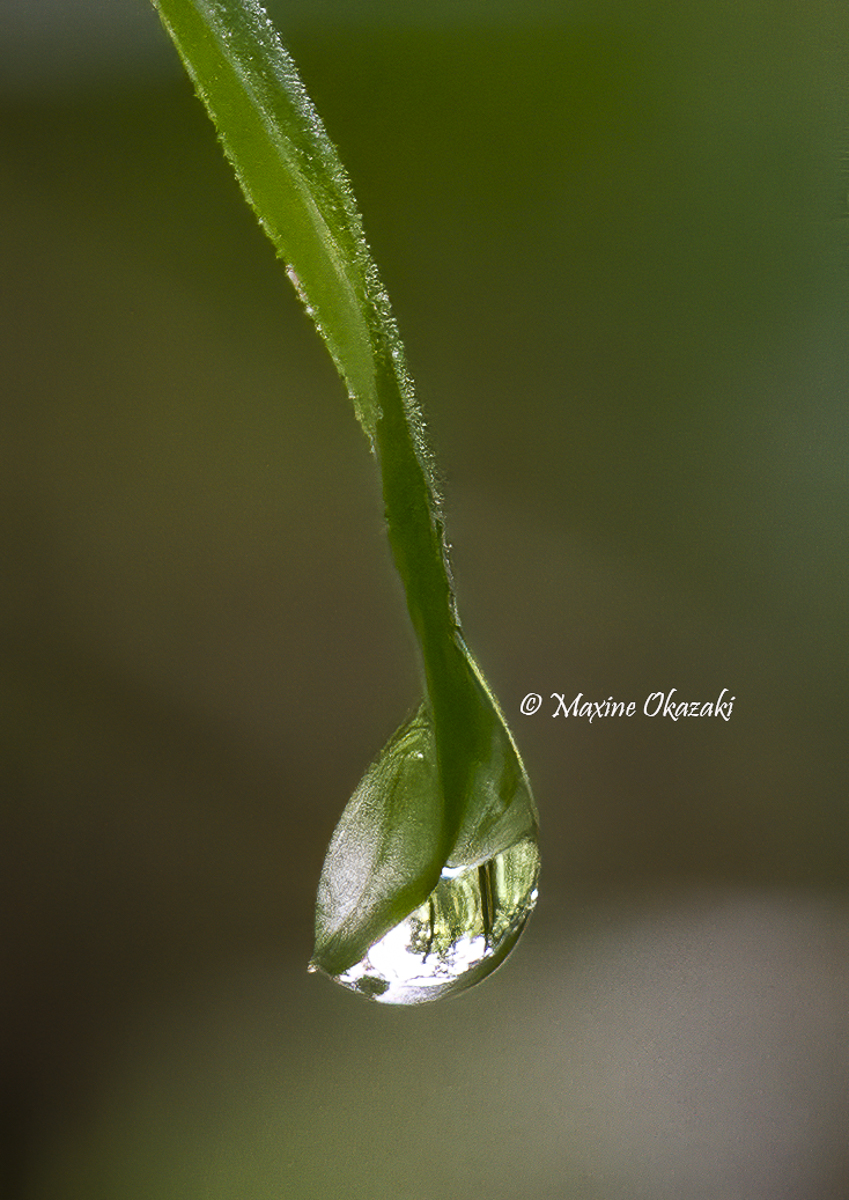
463 931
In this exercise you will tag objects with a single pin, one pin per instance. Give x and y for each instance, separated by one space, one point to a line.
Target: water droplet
299 288
463 931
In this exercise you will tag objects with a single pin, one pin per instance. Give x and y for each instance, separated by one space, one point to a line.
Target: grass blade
449 789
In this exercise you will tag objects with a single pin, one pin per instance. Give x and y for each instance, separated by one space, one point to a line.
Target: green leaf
397 833
449 792
292 177
426 804
387 852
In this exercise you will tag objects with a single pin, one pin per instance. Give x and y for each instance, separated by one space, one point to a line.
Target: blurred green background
615 236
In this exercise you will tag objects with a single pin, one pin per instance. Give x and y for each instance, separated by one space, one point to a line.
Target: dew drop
299 288
463 931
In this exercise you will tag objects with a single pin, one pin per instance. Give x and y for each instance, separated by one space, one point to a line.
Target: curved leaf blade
387 851
449 789
291 176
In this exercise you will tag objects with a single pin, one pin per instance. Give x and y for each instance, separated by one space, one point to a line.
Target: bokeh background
615 235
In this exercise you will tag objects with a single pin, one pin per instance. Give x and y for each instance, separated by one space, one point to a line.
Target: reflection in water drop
463 931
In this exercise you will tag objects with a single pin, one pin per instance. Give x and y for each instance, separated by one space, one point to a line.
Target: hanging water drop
463 931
